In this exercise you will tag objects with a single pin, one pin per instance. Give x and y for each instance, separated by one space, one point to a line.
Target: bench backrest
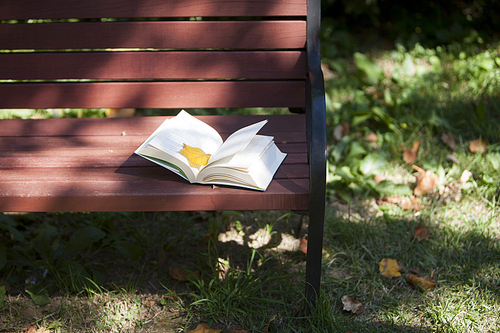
153 53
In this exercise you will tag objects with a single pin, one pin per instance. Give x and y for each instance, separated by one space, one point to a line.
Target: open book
195 151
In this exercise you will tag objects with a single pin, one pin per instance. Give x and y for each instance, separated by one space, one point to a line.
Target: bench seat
70 165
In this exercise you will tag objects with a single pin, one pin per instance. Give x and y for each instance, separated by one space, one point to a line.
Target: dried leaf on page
195 156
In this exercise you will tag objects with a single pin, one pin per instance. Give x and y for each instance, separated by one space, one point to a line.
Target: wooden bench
169 54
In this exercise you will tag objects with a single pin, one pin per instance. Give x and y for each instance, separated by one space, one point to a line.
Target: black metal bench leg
314 253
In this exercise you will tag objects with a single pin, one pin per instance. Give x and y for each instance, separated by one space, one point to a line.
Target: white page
243 159
186 129
237 141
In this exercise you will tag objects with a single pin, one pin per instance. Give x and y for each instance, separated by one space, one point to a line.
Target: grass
246 269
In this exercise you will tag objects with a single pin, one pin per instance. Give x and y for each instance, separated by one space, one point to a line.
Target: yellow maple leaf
195 156
389 268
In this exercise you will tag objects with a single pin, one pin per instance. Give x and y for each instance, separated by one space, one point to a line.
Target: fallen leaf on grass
269 324
478 146
410 154
303 245
411 204
464 178
372 137
424 282
421 233
449 140
204 328
378 178
426 181
350 304
180 274
32 329
389 268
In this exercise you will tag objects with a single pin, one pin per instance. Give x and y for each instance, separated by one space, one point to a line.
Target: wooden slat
156 35
149 196
52 9
62 144
99 158
154 65
207 94
92 174
290 123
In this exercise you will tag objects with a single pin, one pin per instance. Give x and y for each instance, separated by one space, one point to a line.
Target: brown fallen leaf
411 204
478 146
269 323
33 329
449 140
350 304
423 283
426 181
178 273
372 137
415 271
389 268
421 233
204 328
120 113
303 245
378 178
410 154
393 199
464 178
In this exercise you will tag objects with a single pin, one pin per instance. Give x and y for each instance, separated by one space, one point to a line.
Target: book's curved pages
245 159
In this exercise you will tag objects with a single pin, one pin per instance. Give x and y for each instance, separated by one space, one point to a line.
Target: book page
186 129
243 159
237 141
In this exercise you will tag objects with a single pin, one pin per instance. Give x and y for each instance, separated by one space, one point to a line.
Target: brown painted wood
98 158
207 94
90 173
149 196
289 34
89 165
290 123
154 65
51 9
